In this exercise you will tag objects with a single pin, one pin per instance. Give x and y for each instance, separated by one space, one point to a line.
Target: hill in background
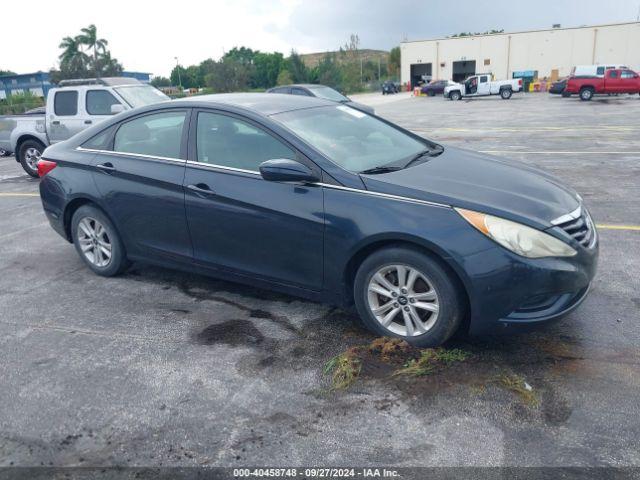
311 60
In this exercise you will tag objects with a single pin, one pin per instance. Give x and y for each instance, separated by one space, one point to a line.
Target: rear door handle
201 188
88 122
55 122
106 167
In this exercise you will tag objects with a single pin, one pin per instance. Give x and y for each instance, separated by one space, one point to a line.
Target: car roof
263 103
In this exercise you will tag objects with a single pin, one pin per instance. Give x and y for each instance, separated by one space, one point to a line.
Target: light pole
178 67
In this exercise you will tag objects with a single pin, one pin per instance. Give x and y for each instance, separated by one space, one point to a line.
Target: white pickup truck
72 107
481 85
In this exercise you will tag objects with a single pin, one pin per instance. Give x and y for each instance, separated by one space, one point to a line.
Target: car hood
475 181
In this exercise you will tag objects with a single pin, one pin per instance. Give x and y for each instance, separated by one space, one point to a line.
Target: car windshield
328 93
141 95
352 139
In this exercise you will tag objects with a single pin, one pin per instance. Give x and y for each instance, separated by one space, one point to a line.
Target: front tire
97 241
402 292
455 95
29 154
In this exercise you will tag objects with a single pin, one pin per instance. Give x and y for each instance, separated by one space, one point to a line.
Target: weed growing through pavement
517 384
344 368
430 359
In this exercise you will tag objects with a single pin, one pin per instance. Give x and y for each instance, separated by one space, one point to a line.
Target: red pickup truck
620 80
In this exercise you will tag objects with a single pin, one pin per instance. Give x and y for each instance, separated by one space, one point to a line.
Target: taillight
45 166
519 82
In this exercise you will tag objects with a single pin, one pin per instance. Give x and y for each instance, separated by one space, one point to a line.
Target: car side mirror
285 170
117 108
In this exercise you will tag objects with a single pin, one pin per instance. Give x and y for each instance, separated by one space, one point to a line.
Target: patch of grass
388 347
344 368
517 384
431 358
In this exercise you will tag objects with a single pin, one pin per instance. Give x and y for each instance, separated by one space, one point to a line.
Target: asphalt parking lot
163 368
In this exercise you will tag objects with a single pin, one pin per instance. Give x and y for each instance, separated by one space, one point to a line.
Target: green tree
394 62
267 68
160 82
229 75
7 72
297 69
328 72
89 38
73 61
284 78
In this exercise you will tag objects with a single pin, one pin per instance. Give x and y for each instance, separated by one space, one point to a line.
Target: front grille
580 228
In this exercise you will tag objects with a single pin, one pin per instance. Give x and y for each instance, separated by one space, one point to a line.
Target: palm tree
89 37
72 57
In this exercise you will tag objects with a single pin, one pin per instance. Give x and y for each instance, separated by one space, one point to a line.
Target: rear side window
483 79
230 142
157 135
100 141
300 91
99 102
65 104
614 74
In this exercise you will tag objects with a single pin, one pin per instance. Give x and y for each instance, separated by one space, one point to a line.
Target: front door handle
201 188
88 122
106 167
55 122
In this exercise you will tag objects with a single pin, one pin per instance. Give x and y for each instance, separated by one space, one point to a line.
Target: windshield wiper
381 169
431 153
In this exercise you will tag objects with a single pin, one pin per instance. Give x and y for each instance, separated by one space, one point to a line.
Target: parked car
557 87
348 209
593 70
321 91
435 87
390 87
615 81
71 108
482 85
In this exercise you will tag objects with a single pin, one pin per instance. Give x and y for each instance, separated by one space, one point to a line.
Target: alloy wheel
403 300
31 157
94 242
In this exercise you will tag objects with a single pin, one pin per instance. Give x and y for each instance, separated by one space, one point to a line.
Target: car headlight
518 238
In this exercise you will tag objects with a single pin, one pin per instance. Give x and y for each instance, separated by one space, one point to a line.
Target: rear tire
586 94
97 241
431 93
506 93
433 302
29 153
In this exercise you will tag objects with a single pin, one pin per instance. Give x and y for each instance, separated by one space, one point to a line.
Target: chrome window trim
568 216
214 166
125 154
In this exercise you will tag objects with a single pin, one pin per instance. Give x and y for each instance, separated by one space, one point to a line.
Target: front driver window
157 135
227 141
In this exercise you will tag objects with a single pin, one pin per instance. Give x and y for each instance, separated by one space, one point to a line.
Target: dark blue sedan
323 201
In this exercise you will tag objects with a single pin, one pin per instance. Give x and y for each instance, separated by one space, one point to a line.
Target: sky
147 36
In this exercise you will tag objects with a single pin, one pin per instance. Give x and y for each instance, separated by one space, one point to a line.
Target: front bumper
507 291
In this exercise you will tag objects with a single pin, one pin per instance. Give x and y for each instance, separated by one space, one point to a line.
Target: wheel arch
24 138
74 205
431 250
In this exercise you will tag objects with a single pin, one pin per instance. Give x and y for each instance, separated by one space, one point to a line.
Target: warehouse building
532 54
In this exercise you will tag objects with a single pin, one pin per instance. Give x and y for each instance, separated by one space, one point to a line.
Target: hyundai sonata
325 202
